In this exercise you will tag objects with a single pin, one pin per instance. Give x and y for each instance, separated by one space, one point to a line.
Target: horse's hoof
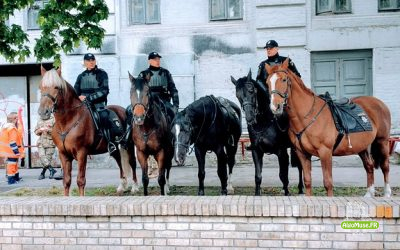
224 192
200 193
134 189
231 191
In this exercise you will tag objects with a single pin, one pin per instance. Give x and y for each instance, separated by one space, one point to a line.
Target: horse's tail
375 154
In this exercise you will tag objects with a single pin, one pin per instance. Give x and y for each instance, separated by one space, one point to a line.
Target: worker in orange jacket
11 147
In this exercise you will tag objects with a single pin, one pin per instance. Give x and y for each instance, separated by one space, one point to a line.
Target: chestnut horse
75 134
313 131
150 132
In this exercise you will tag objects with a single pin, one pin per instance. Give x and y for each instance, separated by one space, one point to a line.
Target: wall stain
151 44
202 43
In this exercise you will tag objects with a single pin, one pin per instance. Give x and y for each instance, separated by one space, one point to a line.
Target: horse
213 124
151 132
313 129
75 134
267 134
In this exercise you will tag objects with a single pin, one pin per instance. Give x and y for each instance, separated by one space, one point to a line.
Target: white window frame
225 16
36 7
393 5
333 7
146 17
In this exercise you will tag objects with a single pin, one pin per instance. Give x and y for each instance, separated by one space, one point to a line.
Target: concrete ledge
249 206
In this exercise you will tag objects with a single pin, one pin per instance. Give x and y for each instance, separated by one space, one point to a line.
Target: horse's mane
52 79
281 67
300 82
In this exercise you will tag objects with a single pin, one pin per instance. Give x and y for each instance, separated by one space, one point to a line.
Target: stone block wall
185 222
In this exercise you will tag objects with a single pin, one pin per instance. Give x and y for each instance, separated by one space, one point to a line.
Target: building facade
346 47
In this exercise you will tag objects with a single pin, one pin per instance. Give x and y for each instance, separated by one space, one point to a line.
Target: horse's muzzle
138 120
278 110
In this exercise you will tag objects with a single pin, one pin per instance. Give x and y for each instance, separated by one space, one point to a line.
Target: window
144 11
33 14
333 6
389 5
225 9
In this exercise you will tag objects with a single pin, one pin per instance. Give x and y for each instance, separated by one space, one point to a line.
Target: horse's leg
142 158
161 162
295 162
305 161
66 163
201 158
81 179
132 163
121 157
222 170
369 168
257 156
383 153
168 165
231 154
325 155
283 159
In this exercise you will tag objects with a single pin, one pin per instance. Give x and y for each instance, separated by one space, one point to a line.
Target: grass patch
192 191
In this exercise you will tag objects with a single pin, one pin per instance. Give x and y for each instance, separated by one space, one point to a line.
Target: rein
285 96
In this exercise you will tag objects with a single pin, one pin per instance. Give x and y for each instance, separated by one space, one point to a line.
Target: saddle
229 114
348 117
107 123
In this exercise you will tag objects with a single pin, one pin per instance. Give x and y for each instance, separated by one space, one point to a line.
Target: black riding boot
60 176
41 176
52 172
125 139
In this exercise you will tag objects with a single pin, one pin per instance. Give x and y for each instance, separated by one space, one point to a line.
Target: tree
63 24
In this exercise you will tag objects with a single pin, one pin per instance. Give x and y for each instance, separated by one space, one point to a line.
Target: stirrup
111 147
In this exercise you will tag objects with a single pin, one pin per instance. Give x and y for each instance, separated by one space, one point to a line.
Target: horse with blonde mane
74 132
313 130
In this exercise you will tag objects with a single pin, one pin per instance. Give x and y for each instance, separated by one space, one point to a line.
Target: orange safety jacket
10 142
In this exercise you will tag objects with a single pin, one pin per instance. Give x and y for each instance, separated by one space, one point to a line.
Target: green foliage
63 24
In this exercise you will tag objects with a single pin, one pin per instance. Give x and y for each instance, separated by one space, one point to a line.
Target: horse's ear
285 64
268 68
233 81
42 70
131 78
147 77
59 71
249 75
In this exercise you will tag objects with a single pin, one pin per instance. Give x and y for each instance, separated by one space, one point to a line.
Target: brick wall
183 222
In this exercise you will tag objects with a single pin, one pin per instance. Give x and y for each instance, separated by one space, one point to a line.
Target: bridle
284 95
54 99
253 105
145 107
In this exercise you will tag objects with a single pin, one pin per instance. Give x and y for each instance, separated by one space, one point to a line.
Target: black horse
213 124
267 134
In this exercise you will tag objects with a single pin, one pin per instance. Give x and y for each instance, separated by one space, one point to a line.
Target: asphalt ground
347 172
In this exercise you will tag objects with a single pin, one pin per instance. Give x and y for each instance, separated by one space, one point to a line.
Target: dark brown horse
313 130
150 132
74 132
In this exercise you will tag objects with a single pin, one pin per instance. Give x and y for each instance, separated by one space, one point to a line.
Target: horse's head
279 85
182 131
51 87
140 98
247 92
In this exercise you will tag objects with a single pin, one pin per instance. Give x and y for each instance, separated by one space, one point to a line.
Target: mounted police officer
92 88
162 85
271 49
